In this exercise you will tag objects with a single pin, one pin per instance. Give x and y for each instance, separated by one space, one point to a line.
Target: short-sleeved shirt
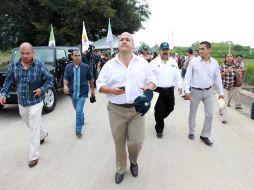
78 78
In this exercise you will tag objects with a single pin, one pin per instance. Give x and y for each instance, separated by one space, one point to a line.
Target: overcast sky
198 20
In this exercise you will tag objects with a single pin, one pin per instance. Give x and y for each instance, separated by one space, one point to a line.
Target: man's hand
37 92
66 90
117 91
2 100
187 96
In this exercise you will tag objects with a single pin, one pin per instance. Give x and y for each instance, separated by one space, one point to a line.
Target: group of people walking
128 81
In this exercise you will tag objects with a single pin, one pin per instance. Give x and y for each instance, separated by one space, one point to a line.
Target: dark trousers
163 107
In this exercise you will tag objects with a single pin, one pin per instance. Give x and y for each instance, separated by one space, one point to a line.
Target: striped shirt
24 79
203 74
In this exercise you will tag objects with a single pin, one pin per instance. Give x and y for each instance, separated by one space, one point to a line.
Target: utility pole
252 43
172 39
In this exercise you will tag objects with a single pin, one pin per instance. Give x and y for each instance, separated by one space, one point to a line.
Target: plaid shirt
228 79
36 73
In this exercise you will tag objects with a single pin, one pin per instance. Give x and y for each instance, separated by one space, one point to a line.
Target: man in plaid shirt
32 79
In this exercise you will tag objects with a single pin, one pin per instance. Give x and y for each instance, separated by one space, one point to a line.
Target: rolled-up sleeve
150 75
102 78
9 80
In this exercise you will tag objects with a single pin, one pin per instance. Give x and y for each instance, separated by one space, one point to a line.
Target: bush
4 56
249 76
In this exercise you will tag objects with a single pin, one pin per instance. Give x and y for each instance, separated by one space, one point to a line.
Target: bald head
127 34
26 45
26 53
125 43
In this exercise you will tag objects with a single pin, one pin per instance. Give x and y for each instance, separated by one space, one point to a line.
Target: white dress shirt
167 73
203 74
134 78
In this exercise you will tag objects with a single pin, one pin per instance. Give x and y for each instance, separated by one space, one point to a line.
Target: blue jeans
78 105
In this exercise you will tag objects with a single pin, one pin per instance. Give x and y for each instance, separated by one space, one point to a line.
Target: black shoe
160 135
79 134
119 178
224 122
134 170
191 136
33 163
238 107
206 140
42 140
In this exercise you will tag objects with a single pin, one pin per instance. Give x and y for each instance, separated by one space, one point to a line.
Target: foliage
4 56
30 20
249 76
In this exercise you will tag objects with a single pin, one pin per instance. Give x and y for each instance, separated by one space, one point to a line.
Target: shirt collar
134 57
209 60
18 63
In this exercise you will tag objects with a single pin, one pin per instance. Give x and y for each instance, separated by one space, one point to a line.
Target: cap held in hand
142 103
92 99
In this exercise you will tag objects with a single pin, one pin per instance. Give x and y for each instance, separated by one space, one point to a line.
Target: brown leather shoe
33 163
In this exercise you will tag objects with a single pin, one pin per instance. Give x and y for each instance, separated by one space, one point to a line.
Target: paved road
175 162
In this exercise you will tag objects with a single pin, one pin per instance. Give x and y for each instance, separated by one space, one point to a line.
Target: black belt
201 88
163 88
125 105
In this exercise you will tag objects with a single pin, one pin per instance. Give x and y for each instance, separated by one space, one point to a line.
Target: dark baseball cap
190 50
164 45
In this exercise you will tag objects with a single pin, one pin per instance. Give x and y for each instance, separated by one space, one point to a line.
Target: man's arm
9 80
49 81
108 90
91 83
218 82
66 88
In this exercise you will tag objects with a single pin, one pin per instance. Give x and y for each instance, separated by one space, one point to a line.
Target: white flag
52 41
85 41
110 37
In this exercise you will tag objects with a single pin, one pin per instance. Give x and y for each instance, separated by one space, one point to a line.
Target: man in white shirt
201 74
123 79
167 76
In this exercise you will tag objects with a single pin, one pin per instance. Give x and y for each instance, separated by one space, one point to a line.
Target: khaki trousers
127 126
235 95
31 115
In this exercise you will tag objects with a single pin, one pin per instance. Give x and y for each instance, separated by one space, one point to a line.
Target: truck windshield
44 55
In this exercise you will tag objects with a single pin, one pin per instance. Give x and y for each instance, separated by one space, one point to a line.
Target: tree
29 20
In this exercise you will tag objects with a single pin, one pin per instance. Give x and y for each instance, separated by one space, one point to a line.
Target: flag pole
110 38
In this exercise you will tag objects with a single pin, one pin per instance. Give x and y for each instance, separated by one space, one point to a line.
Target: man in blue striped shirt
77 75
32 79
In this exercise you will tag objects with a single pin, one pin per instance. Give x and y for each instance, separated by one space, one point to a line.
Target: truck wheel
49 100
